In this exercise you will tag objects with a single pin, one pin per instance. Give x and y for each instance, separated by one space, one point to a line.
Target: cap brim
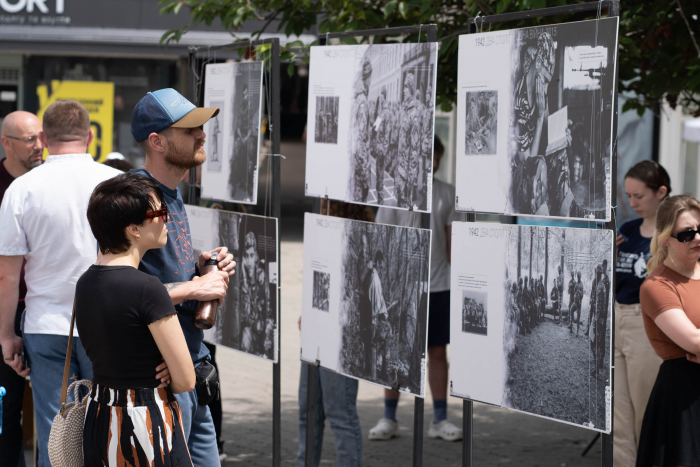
196 117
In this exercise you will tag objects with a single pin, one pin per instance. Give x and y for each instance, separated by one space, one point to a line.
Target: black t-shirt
113 307
632 258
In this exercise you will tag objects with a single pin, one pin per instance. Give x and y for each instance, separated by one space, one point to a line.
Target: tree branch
692 34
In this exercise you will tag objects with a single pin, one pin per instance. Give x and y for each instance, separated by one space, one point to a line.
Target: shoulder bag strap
66 368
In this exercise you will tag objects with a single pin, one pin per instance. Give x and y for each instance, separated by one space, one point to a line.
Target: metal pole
419 404
607 439
192 91
276 212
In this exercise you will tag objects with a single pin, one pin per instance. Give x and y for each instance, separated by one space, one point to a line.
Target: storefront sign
34 12
98 99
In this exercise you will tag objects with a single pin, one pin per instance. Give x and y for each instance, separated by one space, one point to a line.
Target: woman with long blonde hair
671 312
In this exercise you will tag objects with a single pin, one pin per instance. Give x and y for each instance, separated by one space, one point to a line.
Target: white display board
247 320
535 120
233 137
370 124
530 348
365 300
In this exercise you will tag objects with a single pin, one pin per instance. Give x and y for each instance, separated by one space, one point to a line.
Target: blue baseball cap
166 108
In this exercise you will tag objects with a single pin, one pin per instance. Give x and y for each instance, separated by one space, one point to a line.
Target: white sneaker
384 429
445 430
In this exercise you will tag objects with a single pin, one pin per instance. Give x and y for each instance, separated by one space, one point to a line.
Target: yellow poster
98 99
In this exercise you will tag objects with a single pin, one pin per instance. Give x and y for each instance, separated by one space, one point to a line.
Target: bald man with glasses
23 150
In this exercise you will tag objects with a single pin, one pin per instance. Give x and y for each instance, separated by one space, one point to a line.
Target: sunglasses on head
685 236
162 213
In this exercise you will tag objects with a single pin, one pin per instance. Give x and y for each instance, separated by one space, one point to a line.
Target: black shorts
439 319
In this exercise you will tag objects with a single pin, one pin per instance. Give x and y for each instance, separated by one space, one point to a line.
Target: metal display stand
613 9
431 32
273 109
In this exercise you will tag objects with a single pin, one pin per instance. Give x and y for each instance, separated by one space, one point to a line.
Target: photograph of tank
553 91
234 136
247 320
383 97
375 326
549 304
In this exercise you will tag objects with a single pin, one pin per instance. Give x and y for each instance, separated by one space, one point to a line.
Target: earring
138 237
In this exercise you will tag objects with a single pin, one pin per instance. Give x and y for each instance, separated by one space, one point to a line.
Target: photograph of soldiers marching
383 124
247 320
375 321
548 340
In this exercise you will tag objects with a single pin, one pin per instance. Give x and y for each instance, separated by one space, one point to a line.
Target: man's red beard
186 158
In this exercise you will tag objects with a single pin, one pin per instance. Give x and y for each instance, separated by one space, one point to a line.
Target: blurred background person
116 160
647 184
20 140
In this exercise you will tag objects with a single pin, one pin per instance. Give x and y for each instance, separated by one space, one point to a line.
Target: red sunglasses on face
162 213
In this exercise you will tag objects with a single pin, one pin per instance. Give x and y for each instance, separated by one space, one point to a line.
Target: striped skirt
134 428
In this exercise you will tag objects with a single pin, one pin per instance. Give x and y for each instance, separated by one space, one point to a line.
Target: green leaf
389 8
403 9
178 5
290 69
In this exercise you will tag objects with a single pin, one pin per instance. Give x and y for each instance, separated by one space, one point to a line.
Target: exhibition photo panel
365 300
535 120
371 124
247 320
233 136
531 320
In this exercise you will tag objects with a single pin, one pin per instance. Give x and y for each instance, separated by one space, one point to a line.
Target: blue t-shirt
632 258
175 262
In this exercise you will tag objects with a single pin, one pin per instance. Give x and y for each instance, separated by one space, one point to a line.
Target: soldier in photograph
571 290
409 136
543 298
575 307
560 293
554 296
598 319
361 131
255 298
382 141
427 143
380 317
365 305
527 305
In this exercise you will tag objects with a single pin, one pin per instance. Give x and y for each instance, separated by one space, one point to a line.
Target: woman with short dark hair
128 326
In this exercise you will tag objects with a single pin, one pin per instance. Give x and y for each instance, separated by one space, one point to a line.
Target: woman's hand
163 373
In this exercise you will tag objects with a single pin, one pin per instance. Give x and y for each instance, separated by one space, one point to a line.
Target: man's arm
10 270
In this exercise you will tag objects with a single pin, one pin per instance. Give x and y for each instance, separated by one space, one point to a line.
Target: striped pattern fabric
134 428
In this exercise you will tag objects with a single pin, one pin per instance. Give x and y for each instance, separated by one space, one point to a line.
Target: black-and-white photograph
474 312
322 283
548 347
481 132
216 137
243 179
385 125
326 119
247 320
556 85
234 135
376 326
558 322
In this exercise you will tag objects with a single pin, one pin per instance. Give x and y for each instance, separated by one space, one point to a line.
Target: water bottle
2 394
205 317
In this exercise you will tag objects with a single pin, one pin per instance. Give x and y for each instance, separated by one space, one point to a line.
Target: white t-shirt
442 216
44 218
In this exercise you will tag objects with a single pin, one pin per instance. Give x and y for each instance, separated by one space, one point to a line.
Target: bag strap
66 368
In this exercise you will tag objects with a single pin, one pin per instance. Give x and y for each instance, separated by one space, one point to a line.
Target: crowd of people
80 234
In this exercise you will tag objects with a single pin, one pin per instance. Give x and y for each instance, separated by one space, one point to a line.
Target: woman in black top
636 364
128 326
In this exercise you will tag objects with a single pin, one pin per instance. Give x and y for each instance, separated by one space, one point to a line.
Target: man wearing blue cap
168 128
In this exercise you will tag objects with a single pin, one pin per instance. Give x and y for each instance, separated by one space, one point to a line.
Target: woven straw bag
66 437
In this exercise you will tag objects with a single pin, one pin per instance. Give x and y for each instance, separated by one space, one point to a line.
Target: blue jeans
47 355
336 399
199 431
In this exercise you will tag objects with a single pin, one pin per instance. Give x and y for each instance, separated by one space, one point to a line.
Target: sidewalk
501 437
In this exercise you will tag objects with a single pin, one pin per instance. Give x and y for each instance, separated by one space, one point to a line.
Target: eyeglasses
29 140
162 213
686 236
